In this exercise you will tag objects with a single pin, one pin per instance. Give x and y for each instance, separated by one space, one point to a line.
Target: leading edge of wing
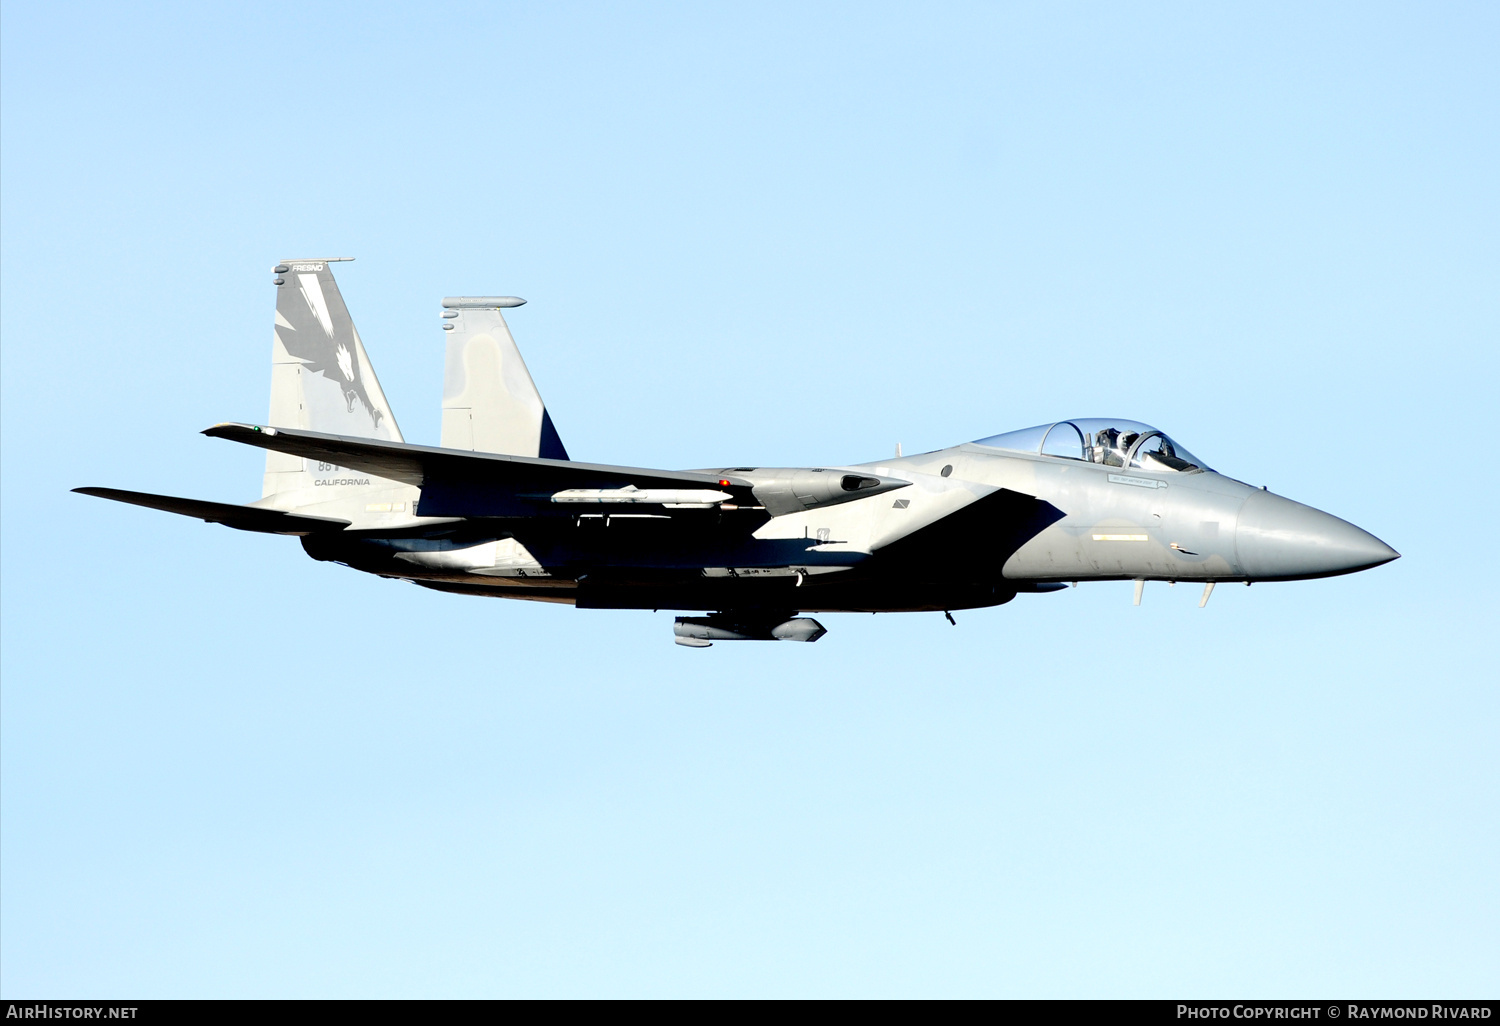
244 518
448 475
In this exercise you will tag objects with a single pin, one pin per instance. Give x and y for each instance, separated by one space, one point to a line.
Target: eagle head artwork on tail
314 329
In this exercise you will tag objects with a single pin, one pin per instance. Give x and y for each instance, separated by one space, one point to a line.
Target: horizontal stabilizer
244 518
474 484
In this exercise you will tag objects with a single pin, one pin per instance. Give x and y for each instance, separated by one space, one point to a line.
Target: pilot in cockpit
1108 448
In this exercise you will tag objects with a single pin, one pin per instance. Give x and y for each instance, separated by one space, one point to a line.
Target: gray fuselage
966 526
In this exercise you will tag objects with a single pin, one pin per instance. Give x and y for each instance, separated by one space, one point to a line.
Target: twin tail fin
321 377
490 403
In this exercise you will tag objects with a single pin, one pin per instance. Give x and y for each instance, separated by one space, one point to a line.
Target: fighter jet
498 508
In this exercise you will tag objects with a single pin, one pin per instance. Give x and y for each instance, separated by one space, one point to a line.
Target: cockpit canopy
1111 442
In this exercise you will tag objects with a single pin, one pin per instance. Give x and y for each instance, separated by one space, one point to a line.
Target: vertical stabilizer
321 377
490 403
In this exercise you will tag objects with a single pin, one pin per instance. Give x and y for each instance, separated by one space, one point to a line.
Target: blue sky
778 234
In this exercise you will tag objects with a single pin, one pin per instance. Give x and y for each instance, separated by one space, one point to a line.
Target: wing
244 518
458 483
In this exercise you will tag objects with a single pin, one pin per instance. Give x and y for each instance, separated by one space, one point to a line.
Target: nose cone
1278 539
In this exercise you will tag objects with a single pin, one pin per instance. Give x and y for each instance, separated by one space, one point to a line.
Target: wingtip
230 428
